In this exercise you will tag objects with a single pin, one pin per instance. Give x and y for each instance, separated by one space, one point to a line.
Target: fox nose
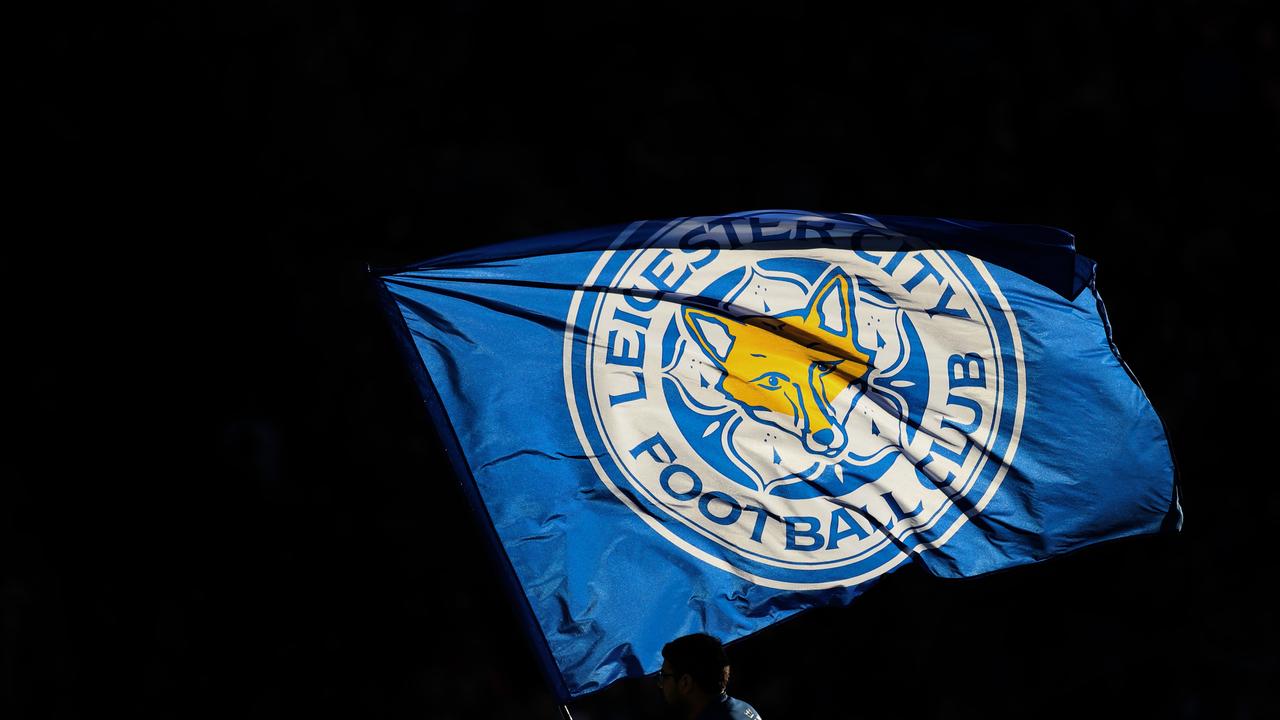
827 441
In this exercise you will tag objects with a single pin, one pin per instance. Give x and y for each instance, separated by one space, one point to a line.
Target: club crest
785 401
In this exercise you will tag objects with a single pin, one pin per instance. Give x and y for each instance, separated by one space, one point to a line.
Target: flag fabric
708 424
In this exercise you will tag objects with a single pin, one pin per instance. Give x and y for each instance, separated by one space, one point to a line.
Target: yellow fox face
788 370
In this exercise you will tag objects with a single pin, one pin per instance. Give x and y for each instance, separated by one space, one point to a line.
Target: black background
223 498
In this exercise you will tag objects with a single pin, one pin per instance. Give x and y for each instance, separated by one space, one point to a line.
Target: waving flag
710 423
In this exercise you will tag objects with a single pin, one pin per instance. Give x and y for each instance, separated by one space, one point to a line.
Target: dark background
222 497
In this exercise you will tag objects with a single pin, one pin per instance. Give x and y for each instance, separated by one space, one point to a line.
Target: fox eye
771 381
825 367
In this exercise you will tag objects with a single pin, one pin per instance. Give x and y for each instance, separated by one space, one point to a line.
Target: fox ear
714 334
830 306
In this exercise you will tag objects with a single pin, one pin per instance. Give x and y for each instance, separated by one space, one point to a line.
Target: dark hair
699 655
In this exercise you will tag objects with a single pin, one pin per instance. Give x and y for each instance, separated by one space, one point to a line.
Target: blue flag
709 424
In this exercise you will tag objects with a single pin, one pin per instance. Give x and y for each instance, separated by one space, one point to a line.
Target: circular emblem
801 400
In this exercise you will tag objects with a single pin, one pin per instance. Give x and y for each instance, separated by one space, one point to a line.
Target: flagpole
564 713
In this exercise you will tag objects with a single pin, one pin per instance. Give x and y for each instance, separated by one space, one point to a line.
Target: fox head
787 371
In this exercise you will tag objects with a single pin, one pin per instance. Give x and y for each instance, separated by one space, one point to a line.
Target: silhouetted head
695 670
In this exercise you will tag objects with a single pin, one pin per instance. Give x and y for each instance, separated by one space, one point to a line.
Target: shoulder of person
742 710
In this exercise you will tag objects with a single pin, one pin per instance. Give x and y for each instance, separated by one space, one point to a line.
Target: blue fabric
709 424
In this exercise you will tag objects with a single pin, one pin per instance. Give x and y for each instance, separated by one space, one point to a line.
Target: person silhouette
694 678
